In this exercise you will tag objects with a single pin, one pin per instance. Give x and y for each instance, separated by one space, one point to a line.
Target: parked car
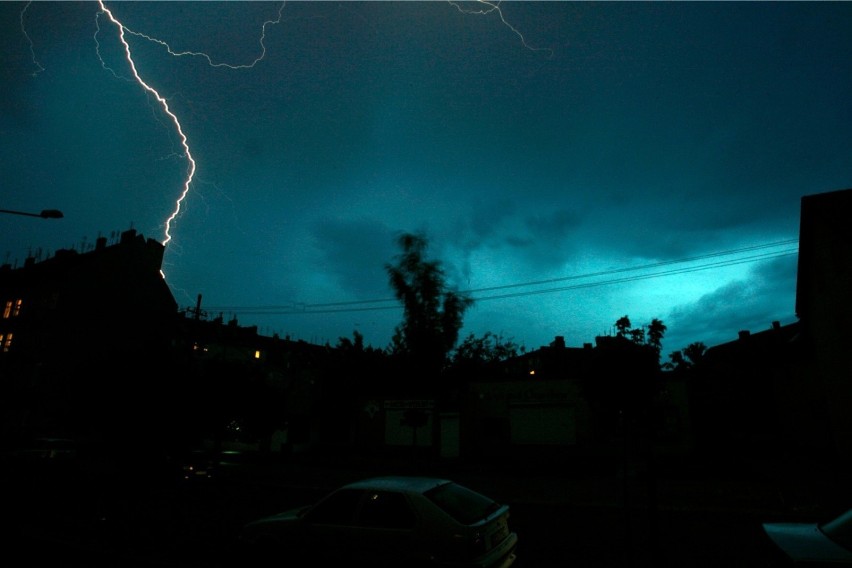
814 544
390 521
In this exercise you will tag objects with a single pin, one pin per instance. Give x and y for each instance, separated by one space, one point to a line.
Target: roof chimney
744 334
776 324
128 236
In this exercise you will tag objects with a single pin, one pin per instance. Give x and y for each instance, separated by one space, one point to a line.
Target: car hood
806 542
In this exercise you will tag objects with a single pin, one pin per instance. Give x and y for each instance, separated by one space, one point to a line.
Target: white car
390 521
814 544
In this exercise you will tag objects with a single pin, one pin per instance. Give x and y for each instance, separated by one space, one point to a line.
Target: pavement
598 512
768 487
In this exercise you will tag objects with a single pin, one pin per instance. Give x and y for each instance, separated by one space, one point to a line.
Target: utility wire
645 276
369 305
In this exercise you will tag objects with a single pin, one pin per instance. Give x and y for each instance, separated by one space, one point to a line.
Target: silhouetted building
85 336
824 306
787 390
749 397
251 391
552 402
555 360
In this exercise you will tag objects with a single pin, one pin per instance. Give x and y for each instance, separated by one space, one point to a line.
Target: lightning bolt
123 32
164 103
491 7
488 7
209 59
39 68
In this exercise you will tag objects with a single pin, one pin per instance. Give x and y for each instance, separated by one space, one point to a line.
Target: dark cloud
355 253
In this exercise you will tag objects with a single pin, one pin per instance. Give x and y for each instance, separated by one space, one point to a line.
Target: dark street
81 516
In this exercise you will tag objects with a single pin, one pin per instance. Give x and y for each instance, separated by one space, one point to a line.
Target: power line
294 308
644 276
642 267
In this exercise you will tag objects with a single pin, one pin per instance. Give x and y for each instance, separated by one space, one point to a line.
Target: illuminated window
17 310
7 342
7 311
257 354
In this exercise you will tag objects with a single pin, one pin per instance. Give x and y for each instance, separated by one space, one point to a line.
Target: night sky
569 162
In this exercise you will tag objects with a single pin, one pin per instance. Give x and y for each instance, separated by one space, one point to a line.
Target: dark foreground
96 513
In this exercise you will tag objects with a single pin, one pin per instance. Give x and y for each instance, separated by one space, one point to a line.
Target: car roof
413 484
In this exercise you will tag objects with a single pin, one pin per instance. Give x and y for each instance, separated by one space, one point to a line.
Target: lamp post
45 213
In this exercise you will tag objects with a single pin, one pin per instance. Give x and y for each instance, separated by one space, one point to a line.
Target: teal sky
563 158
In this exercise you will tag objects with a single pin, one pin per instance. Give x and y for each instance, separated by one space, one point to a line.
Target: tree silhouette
489 348
656 331
622 326
432 314
694 352
482 356
637 335
687 357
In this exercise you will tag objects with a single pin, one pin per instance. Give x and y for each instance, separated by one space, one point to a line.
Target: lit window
7 342
7 311
257 354
17 310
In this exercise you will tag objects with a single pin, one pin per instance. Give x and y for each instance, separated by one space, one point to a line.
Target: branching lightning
161 102
123 31
39 68
206 56
191 165
491 7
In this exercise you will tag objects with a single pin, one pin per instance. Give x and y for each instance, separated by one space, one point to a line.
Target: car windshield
840 530
464 505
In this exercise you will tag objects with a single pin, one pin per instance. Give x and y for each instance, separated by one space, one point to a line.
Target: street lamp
45 213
